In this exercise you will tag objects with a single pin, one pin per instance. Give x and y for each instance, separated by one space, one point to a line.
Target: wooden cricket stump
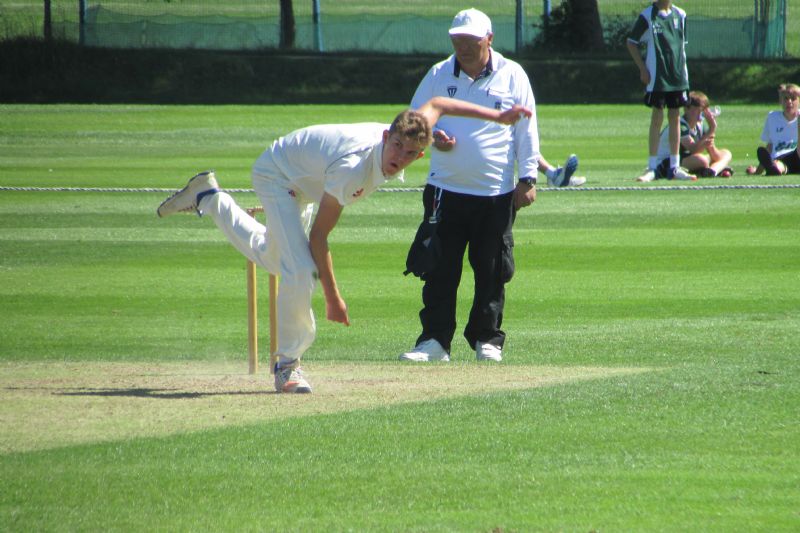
252 312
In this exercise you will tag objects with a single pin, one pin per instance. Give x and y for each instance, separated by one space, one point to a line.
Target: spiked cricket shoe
186 198
292 380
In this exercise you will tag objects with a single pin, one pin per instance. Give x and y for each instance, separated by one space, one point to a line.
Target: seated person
699 154
562 176
780 156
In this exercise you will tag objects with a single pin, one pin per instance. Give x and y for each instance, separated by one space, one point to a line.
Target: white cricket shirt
780 133
482 161
343 160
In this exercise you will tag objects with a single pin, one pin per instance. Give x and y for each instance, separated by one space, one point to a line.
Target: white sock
551 172
652 163
674 160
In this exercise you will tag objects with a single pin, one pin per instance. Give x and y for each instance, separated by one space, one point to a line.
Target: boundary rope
418 189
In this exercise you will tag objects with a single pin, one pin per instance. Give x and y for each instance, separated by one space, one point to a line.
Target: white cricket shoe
485 351
682 174
426 351
291 379
648 176
186 198
576 181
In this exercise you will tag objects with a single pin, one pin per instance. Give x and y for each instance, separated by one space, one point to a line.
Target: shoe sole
412 359
290 388
569 169
177 193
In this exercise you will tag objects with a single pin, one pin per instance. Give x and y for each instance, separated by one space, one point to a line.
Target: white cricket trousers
281 247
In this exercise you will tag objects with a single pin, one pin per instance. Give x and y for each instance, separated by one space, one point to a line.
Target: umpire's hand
524 195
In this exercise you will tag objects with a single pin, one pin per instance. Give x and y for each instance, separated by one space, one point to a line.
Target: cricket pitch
53 404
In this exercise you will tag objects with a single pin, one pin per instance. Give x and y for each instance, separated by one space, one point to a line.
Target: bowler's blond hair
413 126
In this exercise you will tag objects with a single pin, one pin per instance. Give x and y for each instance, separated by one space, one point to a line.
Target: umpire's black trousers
482 223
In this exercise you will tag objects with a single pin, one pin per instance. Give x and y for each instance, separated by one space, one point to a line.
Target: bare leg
656 120
674 119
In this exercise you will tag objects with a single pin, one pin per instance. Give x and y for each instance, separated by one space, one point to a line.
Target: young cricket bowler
332 166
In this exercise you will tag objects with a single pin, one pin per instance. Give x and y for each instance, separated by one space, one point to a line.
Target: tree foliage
573 26
287 24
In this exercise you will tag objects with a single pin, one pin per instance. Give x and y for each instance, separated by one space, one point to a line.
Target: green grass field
651 378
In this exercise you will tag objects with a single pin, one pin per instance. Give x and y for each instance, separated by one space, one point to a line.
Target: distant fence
717 28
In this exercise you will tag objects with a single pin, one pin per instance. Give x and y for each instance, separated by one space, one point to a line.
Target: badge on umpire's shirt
451 90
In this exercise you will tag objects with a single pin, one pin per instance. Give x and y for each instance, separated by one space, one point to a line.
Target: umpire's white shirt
482 161
343 160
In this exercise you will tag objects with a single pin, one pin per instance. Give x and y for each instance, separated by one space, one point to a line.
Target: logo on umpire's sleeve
451 90
498 105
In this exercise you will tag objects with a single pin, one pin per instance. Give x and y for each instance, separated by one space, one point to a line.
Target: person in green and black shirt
661 28
700 154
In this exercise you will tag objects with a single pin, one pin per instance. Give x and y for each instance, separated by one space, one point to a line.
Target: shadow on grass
161 394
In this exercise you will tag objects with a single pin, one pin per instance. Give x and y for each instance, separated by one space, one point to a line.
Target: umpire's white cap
471 22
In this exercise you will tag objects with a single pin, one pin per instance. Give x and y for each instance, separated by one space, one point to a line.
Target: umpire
472 183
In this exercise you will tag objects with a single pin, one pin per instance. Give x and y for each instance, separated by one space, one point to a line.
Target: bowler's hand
524 195
336 311
442 142
511 116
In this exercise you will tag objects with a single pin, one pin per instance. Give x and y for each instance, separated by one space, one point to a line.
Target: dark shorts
662 169
792 162
670 100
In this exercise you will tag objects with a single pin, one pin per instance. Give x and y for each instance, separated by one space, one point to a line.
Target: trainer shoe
563 174
766 161
648 176
186 199
576 181
680 173
485 351
291 379
425 351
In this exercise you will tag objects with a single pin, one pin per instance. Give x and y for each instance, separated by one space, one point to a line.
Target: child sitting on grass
780 156
699 155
